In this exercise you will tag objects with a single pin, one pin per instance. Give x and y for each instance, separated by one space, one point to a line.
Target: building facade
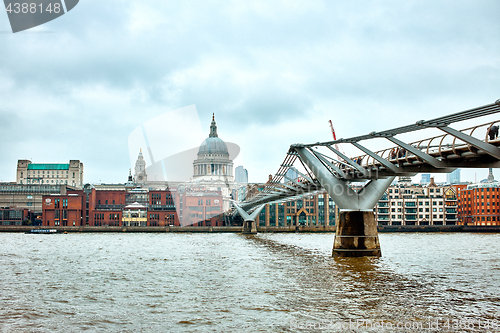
425 178
418 205
241 175
13 216
20 196
453 177
479 204
309 210
50 173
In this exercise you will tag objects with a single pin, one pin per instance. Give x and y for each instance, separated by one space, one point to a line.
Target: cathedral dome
213 163
213 145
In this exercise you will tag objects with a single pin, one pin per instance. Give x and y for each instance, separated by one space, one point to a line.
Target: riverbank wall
261 229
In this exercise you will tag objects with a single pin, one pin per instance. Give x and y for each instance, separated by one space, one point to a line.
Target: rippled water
235 283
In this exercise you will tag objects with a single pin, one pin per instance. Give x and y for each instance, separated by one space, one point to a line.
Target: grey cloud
254 64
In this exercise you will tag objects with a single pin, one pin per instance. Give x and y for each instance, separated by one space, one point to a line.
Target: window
207 202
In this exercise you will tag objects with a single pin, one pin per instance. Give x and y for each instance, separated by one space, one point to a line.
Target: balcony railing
109 207
161 207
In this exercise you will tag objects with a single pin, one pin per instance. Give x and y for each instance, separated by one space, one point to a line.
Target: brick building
479 204
63 210
201 207
111 205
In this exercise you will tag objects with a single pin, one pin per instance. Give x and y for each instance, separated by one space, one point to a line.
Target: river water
172 282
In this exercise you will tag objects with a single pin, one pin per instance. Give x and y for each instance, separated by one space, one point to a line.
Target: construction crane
335 138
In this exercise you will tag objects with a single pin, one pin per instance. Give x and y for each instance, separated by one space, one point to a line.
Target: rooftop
48 166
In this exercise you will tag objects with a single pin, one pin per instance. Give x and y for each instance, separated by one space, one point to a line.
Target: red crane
335 138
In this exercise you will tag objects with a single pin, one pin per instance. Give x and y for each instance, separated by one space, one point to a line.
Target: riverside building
418 205
111 205
310 210
479 204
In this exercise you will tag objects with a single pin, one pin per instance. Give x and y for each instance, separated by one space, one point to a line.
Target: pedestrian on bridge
493 132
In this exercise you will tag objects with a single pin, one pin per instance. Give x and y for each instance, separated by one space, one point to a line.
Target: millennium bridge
322 166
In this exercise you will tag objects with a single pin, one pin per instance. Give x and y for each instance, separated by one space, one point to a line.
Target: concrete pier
356 235
249 227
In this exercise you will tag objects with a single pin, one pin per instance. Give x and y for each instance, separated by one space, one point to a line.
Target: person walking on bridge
493 132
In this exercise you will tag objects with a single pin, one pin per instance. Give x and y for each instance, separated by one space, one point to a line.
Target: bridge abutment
356 235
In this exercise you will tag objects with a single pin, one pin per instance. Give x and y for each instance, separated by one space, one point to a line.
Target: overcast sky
273 72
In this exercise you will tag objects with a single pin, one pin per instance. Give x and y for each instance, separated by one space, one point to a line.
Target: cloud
268 70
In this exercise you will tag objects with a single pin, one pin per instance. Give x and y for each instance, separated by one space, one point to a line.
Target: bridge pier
249 225
356 234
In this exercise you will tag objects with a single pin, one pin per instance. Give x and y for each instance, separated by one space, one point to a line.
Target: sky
273 72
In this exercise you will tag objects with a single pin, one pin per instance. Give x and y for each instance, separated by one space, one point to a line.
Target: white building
50 173
416 205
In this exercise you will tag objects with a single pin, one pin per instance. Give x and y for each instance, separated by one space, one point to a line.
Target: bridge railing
442 145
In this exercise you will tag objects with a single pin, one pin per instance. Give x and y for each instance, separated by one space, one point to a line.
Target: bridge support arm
356 234
417 152
249 225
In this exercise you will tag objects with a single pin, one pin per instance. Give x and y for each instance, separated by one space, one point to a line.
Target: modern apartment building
418 205
314 209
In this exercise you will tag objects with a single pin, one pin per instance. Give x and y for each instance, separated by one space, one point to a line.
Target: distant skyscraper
426 178
453 177
290 174
241 174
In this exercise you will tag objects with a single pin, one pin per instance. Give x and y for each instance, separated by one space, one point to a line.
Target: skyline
273 74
